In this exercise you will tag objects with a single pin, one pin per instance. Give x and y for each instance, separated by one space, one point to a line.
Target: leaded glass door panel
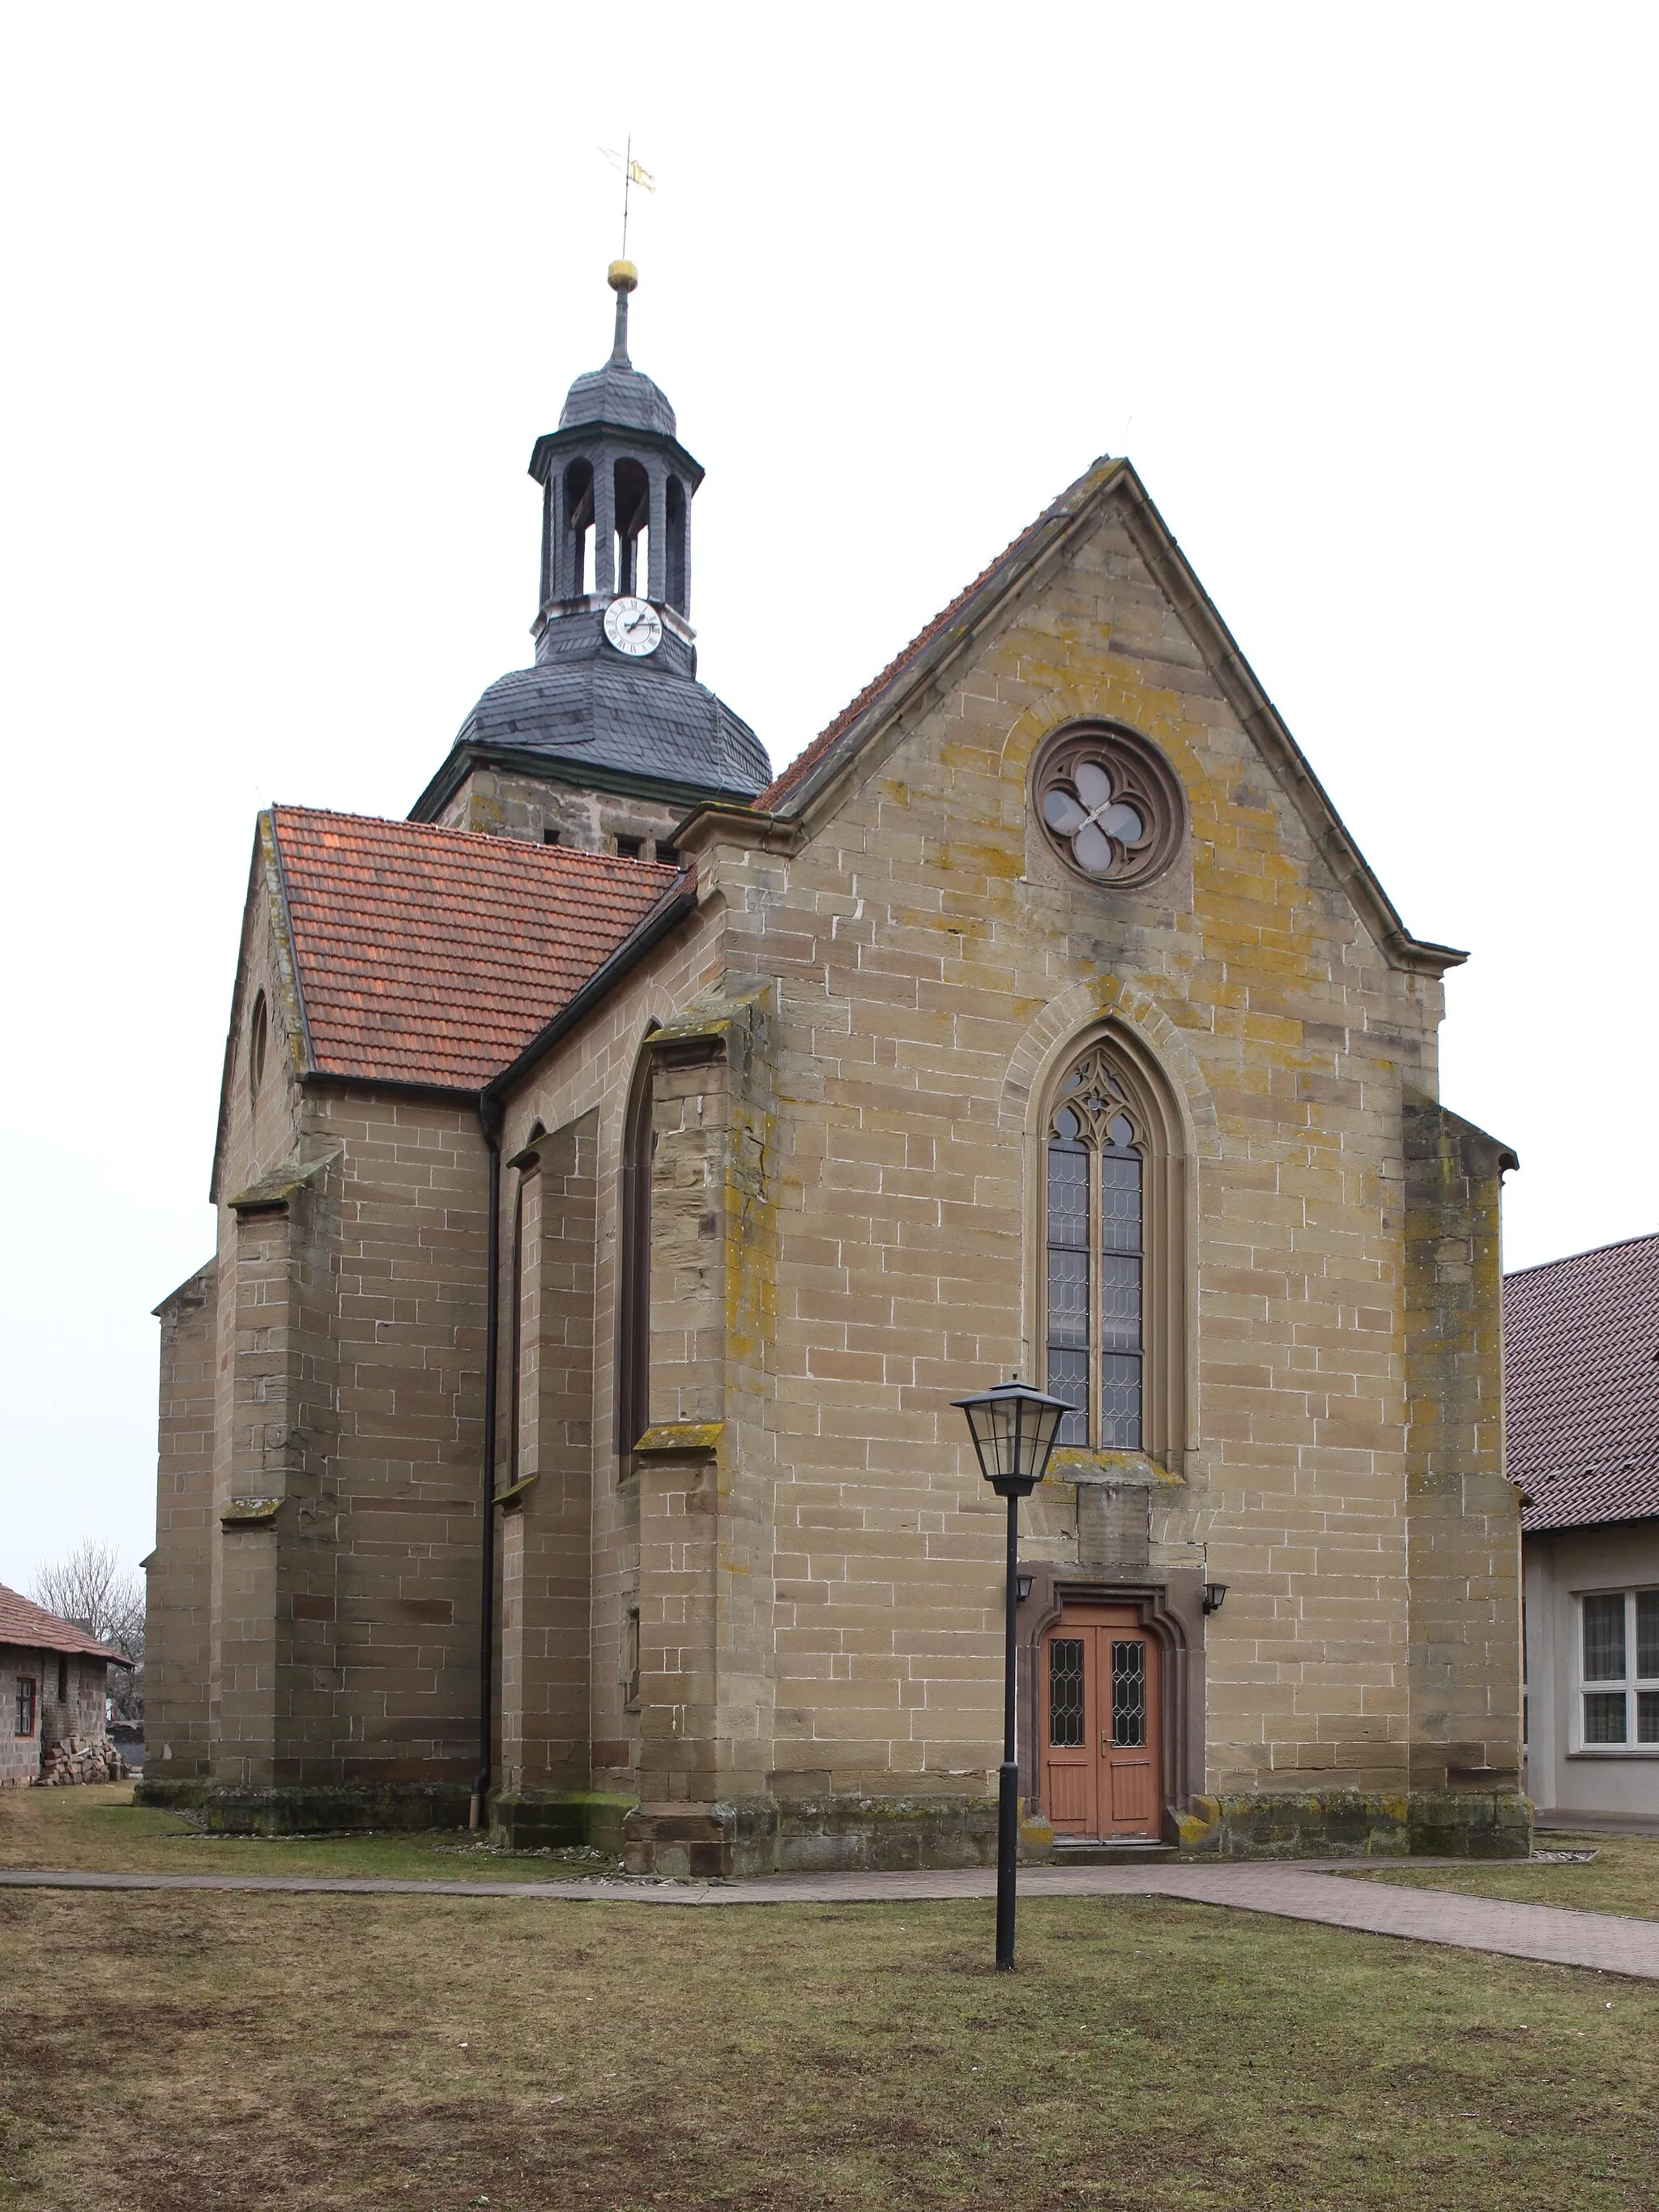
1101 1725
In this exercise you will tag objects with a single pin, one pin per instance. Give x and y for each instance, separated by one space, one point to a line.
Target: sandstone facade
763 1195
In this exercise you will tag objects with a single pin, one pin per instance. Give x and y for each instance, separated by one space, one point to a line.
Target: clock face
634 627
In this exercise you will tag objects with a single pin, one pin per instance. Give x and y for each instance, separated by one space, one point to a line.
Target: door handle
1105 1745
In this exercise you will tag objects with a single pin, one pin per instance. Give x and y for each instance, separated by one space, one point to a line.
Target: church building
625 1161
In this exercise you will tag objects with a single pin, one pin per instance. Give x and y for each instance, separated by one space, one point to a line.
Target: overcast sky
1366 293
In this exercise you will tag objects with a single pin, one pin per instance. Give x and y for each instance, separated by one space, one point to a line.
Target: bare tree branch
91 1588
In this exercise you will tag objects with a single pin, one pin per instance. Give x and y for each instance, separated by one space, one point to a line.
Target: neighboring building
54 1698
1582 1412
660 1164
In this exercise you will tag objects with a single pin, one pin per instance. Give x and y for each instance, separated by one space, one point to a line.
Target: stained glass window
1068 1279
1096 1260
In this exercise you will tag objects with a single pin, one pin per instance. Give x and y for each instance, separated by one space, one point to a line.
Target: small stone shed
54 1686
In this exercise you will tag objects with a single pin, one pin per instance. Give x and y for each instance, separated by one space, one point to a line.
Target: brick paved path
1305 1891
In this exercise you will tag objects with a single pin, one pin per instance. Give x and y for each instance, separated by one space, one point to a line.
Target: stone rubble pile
80 1759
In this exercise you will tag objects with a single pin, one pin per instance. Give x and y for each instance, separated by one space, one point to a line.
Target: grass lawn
102 1831
1622 1877
168 2051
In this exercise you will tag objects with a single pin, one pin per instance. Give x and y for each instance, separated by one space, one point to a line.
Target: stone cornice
681 1439
720 822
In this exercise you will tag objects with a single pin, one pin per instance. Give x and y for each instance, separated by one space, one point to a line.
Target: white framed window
1618 1671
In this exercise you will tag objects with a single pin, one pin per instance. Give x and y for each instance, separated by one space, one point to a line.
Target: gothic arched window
1101 1139
257 1030
633 1362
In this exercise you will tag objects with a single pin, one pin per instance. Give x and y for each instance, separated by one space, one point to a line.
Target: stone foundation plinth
756 1836
810 1835
1488 1824
558 1820
310 1808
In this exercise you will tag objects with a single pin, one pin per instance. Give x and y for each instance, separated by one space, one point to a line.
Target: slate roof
30 1625
432 955
1581 1391
595 708
620 395
617 394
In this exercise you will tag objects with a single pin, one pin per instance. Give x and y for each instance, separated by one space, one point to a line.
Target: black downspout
489 1122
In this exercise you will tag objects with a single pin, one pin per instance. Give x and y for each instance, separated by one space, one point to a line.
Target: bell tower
617 492
607 740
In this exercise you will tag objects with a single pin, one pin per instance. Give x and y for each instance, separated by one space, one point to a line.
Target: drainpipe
489 1122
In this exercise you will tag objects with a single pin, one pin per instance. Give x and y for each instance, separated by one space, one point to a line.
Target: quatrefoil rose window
1111 805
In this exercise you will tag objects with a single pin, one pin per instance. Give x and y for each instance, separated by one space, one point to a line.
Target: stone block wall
74 1699
794 1581
179 1570
389 1627
580 1095
314 1601
1464 1516
935 967
20 1755
70 1741
548 1461
496 803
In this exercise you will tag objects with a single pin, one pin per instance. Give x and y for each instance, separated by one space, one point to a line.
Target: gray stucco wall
1560 1568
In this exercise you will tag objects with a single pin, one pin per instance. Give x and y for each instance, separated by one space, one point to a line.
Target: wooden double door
1100 1692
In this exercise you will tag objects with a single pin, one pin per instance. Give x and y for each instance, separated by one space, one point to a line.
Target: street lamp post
1013 1428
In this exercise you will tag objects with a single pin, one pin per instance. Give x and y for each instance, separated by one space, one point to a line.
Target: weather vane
632 174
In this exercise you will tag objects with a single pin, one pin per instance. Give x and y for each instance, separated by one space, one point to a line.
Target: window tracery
1111 805
1096 1240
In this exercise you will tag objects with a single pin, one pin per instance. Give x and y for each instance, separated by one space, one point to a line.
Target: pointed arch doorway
1100 1700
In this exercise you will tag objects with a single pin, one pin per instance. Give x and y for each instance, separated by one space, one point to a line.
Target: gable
814 784
405 955
264 963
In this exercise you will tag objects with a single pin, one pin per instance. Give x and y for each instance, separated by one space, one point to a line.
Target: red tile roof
30 1625
787 780
434 956
1581 1392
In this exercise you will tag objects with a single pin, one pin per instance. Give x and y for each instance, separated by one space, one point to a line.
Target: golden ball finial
622 276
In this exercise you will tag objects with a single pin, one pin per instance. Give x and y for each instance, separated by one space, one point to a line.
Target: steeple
616 490
608 735
623 279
